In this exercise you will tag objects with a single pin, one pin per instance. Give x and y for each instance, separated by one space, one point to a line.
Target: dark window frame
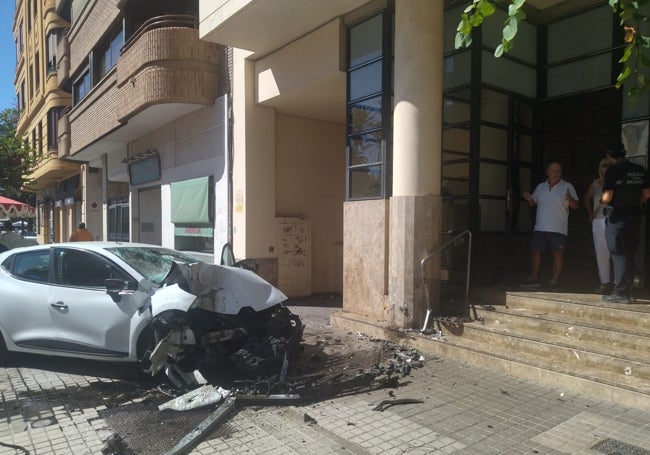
51 47
119 219
53 127
382 161
35 276
108 53
82 86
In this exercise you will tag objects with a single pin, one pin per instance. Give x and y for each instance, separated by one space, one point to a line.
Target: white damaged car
141 303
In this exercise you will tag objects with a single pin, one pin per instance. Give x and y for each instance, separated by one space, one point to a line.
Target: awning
190 202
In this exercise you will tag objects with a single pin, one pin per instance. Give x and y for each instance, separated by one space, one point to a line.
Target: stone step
629 390
551 350
613 339
581 370
588 307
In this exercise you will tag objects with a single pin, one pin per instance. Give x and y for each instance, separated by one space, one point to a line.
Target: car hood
215 288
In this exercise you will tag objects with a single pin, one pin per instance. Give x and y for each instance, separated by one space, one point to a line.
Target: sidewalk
57 407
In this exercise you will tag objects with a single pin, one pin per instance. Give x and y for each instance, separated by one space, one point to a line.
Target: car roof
90 246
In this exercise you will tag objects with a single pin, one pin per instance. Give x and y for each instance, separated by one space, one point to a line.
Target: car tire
4 352
146 344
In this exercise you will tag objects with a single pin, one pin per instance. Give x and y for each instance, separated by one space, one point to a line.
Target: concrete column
416 206
418 97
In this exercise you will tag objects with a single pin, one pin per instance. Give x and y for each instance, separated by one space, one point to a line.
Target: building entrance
576 131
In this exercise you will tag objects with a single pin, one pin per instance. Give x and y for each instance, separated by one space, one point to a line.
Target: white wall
310 184
193 146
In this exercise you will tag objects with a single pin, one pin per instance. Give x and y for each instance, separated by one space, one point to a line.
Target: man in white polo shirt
553 199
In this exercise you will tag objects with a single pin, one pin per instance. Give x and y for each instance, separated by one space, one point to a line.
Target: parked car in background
141 303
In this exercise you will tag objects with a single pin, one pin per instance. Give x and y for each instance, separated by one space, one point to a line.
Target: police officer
625 190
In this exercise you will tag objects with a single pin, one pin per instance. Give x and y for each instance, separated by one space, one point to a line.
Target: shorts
553 240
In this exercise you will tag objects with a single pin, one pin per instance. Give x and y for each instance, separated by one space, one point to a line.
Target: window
19 42
83 269
31 81
52 128
21 99
37 72
52 38
118 221
110 53
368 109
39 146
81 87
32 266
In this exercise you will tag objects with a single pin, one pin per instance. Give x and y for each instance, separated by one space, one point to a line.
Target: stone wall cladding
63 139
166 65
365 257
63 56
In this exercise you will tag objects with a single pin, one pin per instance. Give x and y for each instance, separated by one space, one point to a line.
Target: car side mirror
114 287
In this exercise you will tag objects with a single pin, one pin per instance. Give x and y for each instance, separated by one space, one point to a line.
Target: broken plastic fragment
197 398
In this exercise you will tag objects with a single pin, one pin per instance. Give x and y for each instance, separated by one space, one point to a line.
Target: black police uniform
627 181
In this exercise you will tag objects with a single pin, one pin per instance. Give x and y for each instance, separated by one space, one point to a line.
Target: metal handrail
168 20
436 252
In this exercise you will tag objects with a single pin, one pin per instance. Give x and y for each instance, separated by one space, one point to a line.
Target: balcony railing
165 62
171 20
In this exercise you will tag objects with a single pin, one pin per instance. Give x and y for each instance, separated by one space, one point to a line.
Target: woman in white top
594 209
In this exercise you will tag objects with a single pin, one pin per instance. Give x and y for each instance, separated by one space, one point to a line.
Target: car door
24 307
85 317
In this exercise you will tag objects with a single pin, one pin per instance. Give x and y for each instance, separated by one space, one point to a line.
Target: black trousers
622 236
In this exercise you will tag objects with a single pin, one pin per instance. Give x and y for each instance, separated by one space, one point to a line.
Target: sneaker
553 284
531 282
603 289
617 298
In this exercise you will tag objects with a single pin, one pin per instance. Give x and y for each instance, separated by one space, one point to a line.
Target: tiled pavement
57 407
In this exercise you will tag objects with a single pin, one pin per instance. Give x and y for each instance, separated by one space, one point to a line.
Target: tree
635 61
17 159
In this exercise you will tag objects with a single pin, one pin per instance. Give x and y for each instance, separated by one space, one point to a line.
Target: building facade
360 119
334 144
142 121
40 98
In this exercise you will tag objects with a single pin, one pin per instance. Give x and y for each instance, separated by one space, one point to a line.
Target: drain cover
611 446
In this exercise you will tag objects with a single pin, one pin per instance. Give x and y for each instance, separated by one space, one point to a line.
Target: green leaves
635 62
474 15
635 70
17 159
471 18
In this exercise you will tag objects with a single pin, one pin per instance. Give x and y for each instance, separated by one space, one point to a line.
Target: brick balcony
166 65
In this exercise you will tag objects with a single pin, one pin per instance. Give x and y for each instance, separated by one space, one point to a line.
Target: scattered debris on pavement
381 407
328 368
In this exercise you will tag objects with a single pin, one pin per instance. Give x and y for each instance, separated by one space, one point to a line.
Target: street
55 406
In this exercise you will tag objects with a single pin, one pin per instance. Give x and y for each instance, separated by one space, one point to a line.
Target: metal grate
611 446
147 431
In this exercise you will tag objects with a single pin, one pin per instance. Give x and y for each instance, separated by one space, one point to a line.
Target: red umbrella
15 209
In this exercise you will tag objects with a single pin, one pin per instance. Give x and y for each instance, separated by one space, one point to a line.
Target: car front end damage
212 318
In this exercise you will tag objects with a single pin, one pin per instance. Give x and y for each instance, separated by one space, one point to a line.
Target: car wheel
150 337
4 353
146 344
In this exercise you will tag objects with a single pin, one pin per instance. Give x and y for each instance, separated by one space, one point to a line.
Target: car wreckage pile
230 317
213 318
